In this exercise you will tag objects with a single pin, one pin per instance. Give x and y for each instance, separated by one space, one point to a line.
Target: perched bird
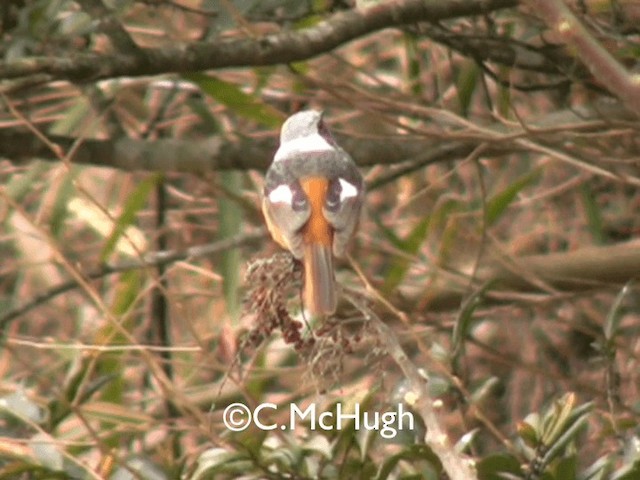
312 198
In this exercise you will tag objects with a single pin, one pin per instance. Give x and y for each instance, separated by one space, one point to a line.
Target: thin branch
602 65
280 48
153 259
454 464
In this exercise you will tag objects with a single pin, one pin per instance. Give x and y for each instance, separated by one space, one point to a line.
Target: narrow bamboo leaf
497 204
61 203
20 185
74 117
116 413
102 222
593 212
128 292
230 222
464 321
413 53
503 100
466 83
388 232
443 219
136 201
616 312
243 104
410 246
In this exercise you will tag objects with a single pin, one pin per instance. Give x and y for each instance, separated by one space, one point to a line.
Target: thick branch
285 47
581 270
213 154
217 153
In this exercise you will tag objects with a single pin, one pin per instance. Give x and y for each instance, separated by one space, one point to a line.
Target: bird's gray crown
300 125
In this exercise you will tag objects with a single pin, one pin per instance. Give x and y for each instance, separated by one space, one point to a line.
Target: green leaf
412 54
73 118
466 81
64 195
616 313
110 365
389 233
244 104
136 201
567 468
628 472
593 212
230 223
19 186
499 467
528 433
598 470
401 263
220 460
412 453
556 418
497 204
465 319
76 23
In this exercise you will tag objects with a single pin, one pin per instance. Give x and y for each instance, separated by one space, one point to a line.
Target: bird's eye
299 198
332 202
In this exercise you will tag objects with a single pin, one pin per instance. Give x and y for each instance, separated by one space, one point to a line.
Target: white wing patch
310 143
281 194
347 190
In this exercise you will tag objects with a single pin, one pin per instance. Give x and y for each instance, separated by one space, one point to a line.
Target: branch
454 463
285 47
414 151
602 65
150 259
581 270
216 153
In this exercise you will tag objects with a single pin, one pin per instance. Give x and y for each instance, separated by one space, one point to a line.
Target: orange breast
317 229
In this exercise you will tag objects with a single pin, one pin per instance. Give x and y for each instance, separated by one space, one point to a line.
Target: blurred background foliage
115 368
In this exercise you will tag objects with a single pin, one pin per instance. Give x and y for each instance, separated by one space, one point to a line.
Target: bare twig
602 65
152 259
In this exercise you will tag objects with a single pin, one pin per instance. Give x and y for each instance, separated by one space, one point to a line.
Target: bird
312 201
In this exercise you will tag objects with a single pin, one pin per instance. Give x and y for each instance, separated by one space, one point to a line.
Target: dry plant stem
456 466
376 293
602 65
